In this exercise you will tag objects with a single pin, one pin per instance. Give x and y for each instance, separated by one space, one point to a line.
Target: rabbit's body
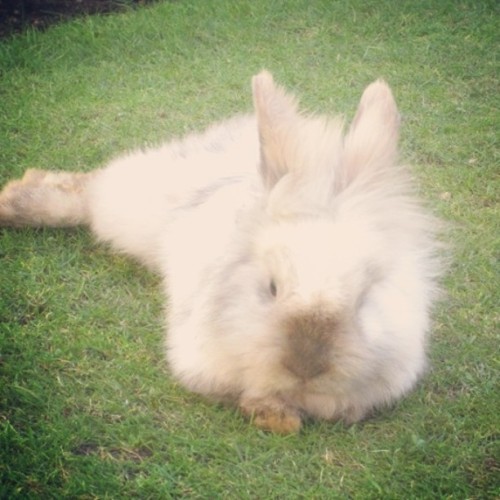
298 267
151 189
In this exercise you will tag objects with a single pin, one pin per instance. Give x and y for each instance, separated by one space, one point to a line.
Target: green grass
87 408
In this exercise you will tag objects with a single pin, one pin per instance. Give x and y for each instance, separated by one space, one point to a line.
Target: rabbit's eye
272 288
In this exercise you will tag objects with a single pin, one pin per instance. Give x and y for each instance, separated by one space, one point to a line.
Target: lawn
87 407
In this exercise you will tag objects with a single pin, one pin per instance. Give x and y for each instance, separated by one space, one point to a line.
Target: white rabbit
299 268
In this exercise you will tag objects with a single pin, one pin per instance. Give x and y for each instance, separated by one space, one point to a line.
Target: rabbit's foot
44 198
271 414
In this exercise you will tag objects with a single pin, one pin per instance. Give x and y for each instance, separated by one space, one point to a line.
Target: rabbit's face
319 262
317 273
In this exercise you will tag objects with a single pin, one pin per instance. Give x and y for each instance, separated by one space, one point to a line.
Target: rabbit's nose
308 363
308 344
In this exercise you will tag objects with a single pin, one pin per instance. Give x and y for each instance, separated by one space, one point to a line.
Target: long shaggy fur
300 269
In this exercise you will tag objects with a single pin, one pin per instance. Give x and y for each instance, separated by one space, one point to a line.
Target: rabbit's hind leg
45 198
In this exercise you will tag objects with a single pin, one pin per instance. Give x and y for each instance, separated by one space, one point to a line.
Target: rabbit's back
134 198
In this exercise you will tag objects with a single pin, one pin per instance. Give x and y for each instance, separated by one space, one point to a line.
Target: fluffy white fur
299 268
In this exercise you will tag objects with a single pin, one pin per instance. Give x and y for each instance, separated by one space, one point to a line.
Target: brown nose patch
308 343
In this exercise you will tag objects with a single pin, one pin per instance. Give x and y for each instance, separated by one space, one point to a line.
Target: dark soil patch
19 15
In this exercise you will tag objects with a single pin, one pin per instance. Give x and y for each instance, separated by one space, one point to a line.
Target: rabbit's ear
371 144
276 118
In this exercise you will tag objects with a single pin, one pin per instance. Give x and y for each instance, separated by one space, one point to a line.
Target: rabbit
299 267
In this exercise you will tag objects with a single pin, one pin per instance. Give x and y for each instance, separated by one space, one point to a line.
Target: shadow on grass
16 17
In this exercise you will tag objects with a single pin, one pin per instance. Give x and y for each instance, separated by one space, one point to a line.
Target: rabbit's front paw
271 414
